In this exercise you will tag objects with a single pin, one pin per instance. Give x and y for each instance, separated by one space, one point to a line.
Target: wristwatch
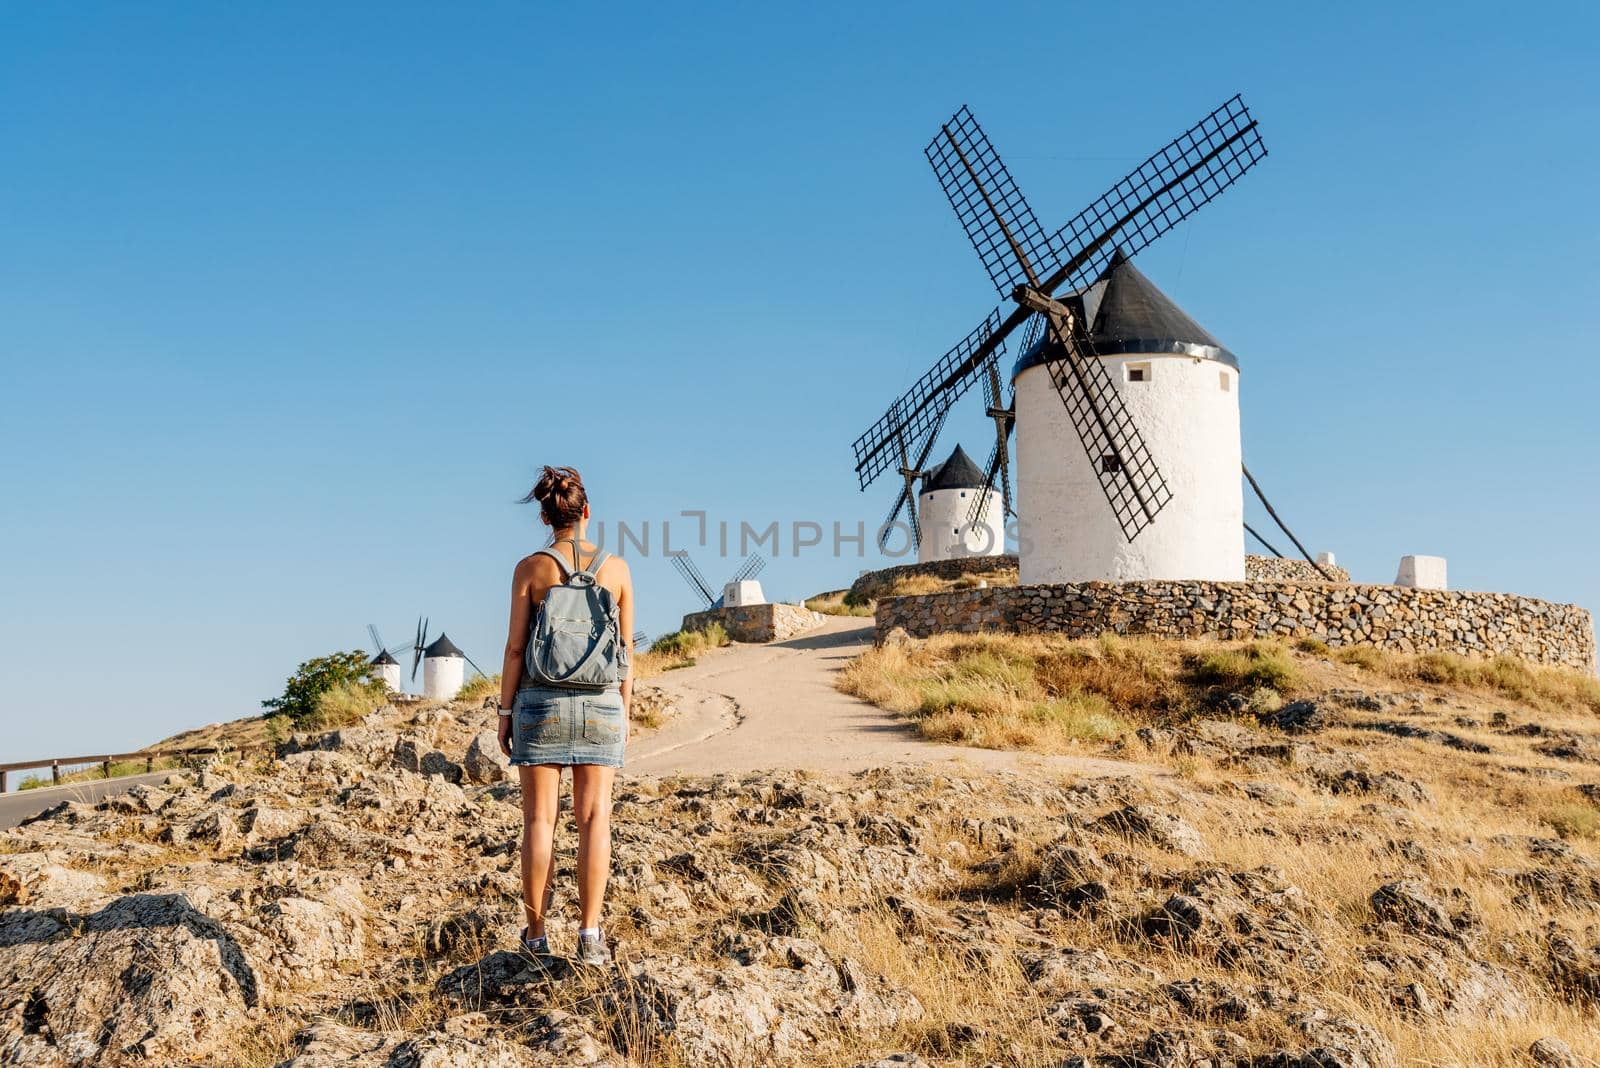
504 711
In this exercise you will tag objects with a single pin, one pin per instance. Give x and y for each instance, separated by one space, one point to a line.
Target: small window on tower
1138 372
1110 463
1227 381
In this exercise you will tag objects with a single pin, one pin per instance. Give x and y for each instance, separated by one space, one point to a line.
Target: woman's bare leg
541 802
591 806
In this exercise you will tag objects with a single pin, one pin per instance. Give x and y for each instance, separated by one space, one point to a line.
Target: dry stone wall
1285 569
757 622
1390 617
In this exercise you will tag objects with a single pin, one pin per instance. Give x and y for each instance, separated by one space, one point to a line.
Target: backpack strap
550 551
576 567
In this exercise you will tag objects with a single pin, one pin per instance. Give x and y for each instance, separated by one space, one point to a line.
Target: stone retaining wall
874 584
758 622
1286 569
1390 617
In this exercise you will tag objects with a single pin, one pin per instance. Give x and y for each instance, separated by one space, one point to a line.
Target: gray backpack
575 641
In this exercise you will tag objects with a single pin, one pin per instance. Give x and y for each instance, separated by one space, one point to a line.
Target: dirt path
775 706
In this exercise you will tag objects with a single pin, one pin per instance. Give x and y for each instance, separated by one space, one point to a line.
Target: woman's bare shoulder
533 564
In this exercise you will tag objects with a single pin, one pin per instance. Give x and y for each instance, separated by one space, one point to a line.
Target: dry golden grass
914 585
1051 694
678 650
1542 687
476 689
344 704
837 603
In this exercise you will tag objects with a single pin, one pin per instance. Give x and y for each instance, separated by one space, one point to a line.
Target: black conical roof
1128 315
383 657
957 472
442 646
1134 316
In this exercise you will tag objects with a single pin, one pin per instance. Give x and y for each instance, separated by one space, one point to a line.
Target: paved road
18 805
755 707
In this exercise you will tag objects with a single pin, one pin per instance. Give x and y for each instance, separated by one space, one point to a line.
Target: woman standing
545 726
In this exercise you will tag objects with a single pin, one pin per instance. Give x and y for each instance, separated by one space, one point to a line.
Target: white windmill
444 665
383 666
1126 410
958 513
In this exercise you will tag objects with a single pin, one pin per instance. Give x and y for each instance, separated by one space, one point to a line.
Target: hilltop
1256 856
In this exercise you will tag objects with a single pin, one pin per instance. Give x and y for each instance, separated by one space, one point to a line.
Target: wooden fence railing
105 760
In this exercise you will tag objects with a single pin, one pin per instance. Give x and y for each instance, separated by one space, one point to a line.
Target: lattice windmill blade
926 402
1003 412
1174 183
1128 476
995 470
992 210
377 640
691 575
910 472
752 566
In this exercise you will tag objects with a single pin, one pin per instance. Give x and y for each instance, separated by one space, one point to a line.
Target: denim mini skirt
555 726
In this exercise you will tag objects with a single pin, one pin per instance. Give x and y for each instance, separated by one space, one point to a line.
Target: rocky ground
1314 890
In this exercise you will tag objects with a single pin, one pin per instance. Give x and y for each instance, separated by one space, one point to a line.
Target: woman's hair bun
560 494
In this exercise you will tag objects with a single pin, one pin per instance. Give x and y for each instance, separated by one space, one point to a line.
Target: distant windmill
739 585
383 666
443 664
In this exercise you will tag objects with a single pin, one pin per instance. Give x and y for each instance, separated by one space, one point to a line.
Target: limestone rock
756 1014
484 763
1552 1052
1408 903
313 938
1154 825
436 763
146 978
12 891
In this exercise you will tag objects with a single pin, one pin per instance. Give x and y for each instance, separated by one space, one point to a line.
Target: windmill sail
753 565
910 472
992 210
696 581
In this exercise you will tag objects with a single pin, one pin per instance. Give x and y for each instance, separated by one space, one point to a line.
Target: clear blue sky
296 298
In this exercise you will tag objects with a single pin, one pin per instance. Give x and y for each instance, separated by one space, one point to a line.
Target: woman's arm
625 621
516 644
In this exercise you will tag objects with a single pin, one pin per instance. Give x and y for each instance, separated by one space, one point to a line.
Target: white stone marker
1422 572
745 591
1327 560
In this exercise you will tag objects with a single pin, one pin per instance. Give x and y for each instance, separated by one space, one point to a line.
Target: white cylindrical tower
1181 389
945 510
444 669
386 669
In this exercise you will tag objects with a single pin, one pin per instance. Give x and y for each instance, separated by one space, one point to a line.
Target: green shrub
1314 646
312 679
